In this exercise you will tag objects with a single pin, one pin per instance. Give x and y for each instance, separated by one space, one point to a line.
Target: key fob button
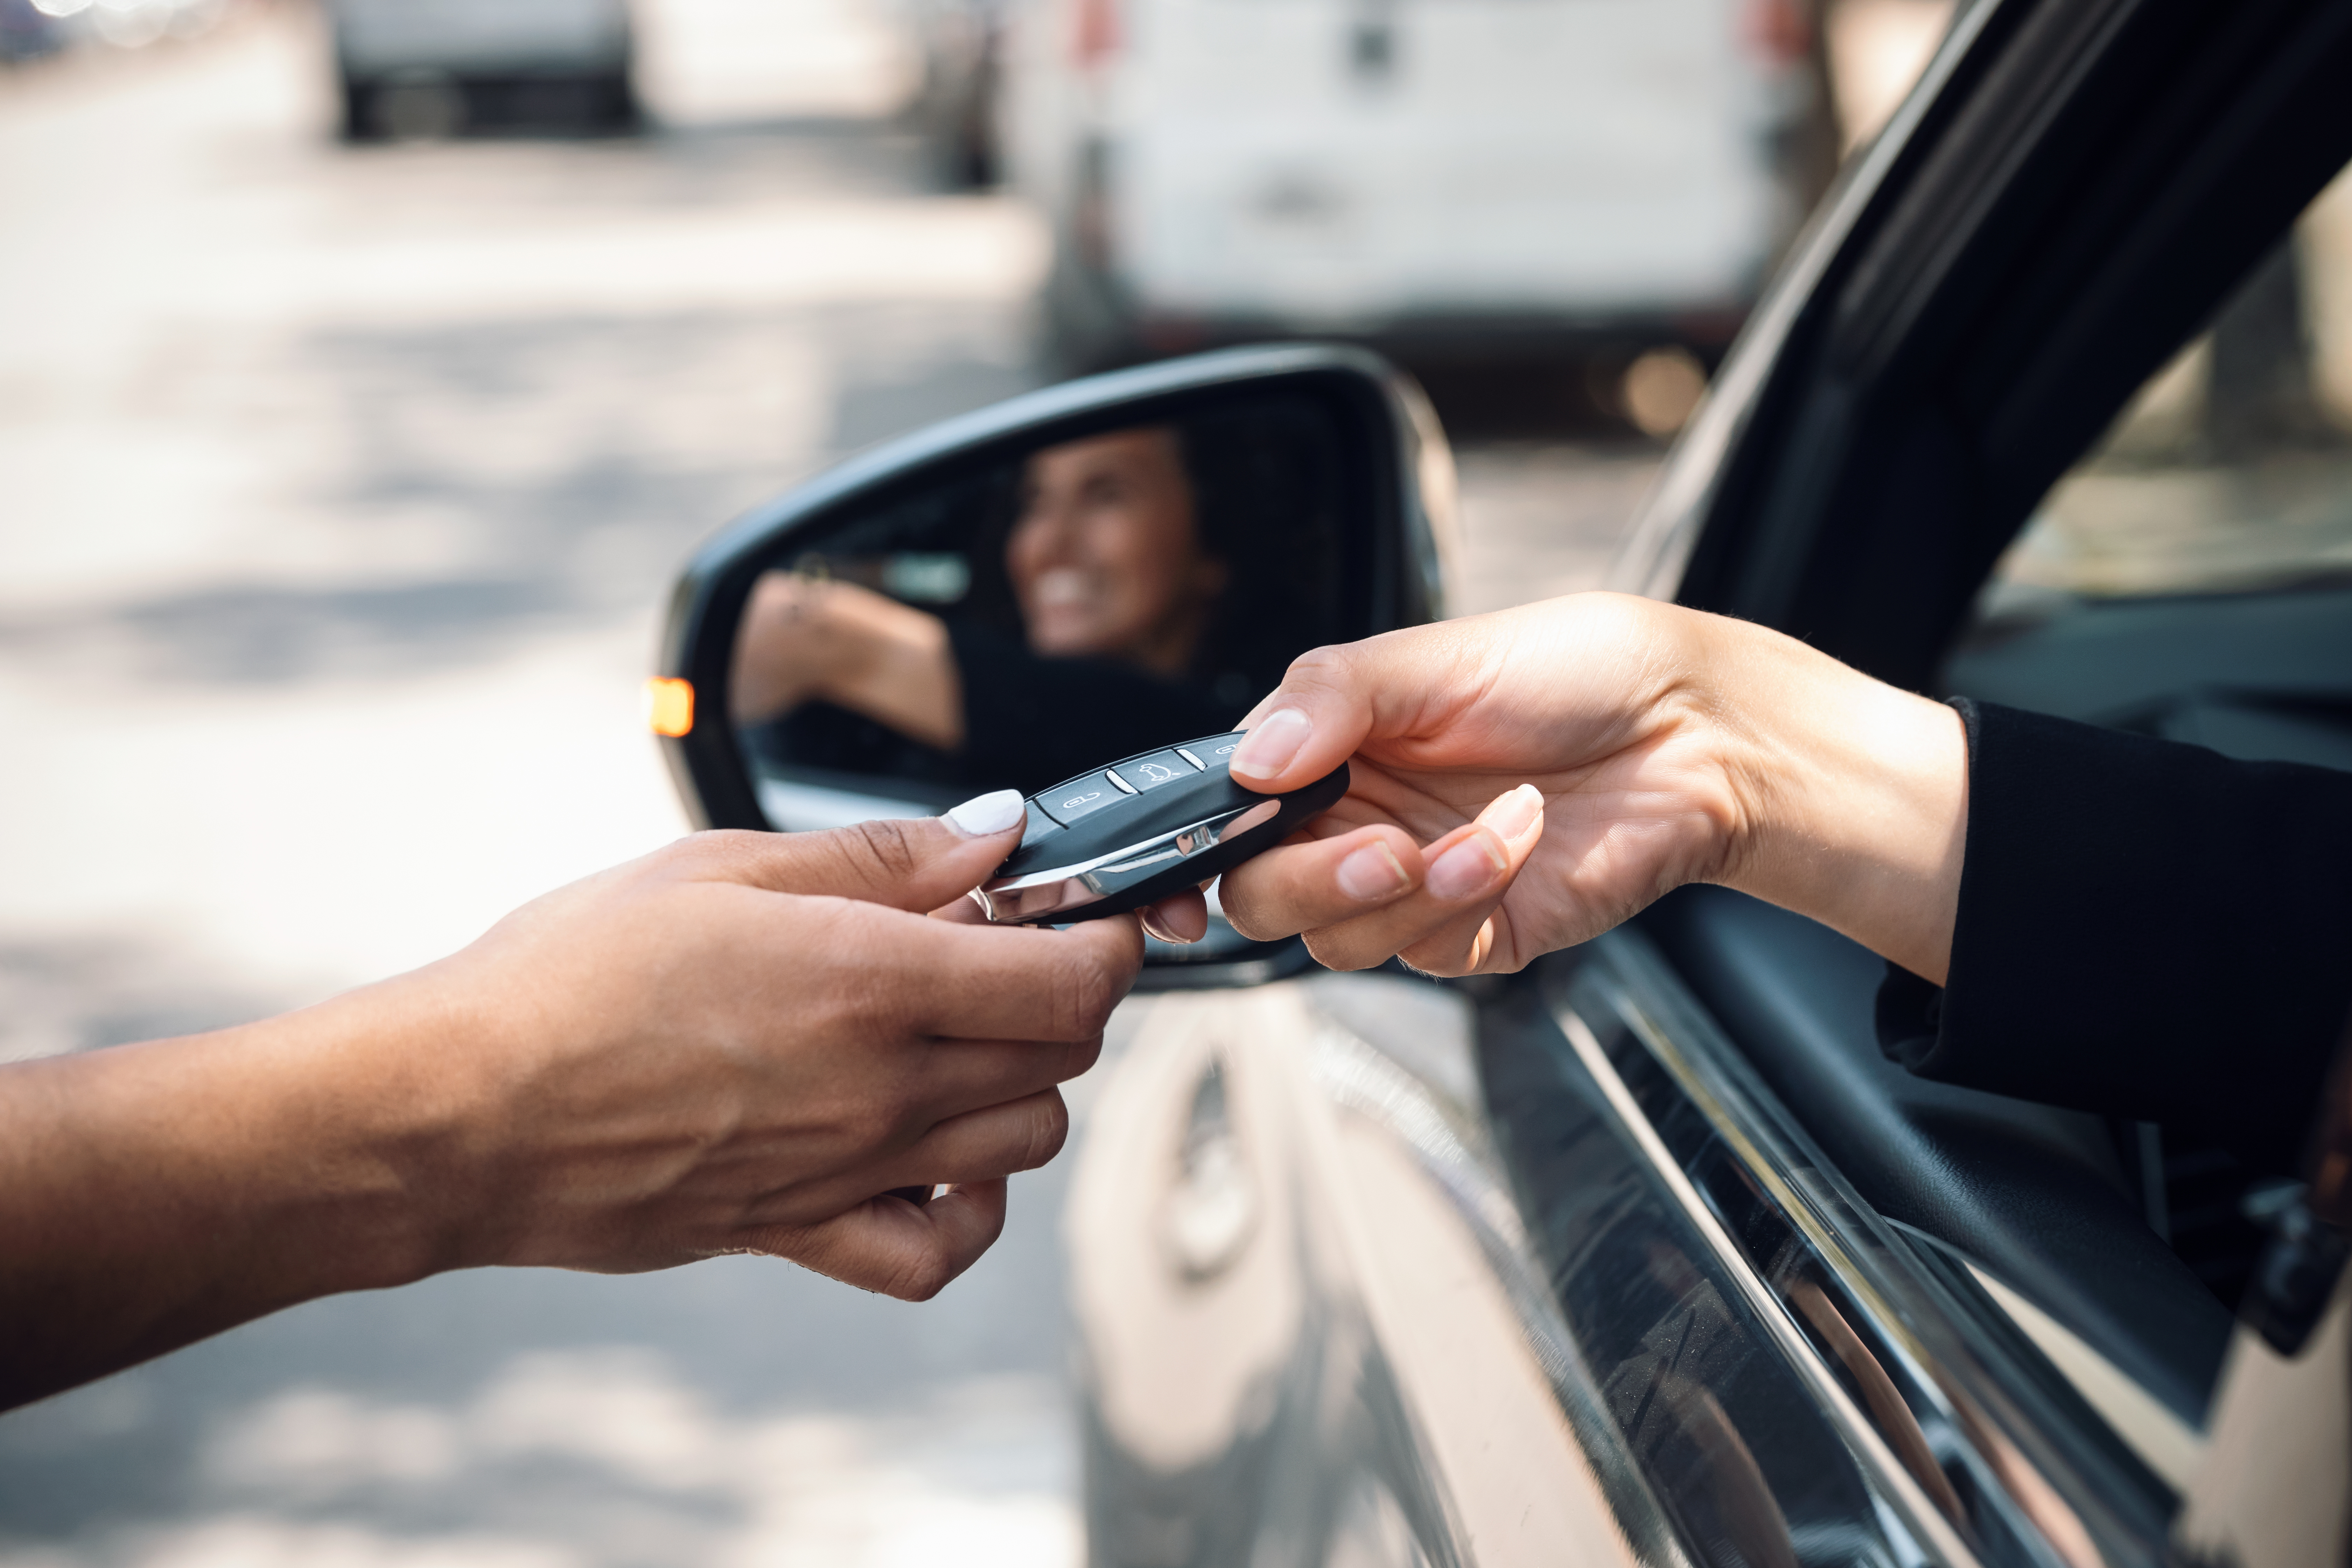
1078 862
1149 772
1219 752
1037 825
1079 796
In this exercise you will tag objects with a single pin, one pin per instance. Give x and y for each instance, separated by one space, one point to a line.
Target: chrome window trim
1927 1527
2044 1487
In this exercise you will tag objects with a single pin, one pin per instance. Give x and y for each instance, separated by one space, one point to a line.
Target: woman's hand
738 1044
1522 782
807 639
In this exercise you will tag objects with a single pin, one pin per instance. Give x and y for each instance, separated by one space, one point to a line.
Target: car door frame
2069 193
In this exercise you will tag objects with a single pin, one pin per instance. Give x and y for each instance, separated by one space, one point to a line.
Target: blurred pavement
342 491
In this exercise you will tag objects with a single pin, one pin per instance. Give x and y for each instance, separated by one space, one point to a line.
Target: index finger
1004 983
1332 700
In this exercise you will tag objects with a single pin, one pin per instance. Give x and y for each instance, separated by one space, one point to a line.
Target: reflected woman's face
1104 558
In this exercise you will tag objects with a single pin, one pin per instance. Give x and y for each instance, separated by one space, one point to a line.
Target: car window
2191 577
2231 471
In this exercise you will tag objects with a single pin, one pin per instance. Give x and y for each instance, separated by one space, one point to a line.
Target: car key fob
1144 827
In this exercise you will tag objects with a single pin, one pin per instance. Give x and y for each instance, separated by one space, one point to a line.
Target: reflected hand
807 639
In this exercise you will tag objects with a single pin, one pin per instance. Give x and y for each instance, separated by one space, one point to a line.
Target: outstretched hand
1524 780
740 1043
1519 782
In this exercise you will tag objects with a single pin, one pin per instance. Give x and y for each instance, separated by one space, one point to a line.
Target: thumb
918 863
1333 699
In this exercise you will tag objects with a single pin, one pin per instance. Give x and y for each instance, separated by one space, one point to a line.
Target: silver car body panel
1317 1325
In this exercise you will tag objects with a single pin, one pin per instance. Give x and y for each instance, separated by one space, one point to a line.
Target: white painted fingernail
998 811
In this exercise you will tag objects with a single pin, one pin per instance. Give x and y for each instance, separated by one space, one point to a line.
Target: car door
1648 1251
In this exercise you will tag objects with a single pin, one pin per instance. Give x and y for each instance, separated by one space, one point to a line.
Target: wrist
420 1114
1851 795
353 1164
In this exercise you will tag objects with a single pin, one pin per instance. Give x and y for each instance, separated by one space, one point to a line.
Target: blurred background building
366 368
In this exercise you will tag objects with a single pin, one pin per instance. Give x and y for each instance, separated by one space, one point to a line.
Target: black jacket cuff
2146 928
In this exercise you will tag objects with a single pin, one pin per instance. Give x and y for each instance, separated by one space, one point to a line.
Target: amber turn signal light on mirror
669 706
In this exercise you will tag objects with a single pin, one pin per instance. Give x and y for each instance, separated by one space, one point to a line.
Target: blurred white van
1406 171
429 66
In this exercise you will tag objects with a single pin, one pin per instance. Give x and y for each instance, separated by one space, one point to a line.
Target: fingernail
995 812
1468 868
1371 873
1515 813
1152 926
1273 742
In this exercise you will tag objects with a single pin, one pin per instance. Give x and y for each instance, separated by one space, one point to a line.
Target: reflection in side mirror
1062 608
1078 576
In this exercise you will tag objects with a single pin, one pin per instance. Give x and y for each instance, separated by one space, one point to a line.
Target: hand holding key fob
1140 829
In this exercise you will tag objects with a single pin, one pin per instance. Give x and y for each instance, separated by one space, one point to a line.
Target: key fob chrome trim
1115 846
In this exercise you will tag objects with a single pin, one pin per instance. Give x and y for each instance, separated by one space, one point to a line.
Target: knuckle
919 1278
1048 1128
1325 669
718 846
1439 964
1248 914
1333 950
1080 1058
1087 993
885 847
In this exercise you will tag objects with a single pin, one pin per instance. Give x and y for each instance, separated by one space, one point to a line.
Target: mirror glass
1040 611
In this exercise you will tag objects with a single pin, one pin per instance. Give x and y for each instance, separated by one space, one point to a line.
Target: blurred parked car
1496 173
1648 1254
410 68
956 103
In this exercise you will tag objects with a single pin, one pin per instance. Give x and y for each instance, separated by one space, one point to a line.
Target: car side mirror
1010 598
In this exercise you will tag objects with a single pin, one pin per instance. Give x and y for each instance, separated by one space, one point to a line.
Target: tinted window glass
2232 471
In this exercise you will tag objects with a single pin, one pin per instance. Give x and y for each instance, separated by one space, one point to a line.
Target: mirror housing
1391 511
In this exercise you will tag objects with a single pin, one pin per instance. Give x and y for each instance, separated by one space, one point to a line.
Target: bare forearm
741 1043
908 680
854 648
152 1194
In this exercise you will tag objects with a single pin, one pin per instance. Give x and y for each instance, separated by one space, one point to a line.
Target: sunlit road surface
341 490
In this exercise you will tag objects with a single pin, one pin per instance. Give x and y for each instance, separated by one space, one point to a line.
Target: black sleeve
1030 722
2147 929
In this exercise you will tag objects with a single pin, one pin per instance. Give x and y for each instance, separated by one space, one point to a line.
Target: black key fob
1144 827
